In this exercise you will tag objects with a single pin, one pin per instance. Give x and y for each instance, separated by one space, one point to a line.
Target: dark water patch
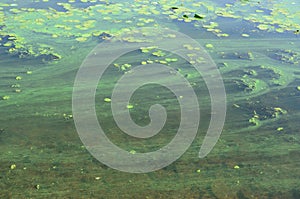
285 55
236 27
237 55
223 3
54 4
264 73
84 5
289 97
232 86
43 5
194 32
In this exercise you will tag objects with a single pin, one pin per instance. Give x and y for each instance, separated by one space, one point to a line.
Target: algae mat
255 46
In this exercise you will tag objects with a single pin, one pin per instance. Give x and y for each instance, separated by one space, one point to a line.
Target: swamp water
255 45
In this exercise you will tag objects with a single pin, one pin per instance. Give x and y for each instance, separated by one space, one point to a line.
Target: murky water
255 46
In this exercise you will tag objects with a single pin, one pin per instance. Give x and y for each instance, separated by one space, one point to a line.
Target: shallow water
257 154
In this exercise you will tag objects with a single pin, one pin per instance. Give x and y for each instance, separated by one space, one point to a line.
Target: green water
42 155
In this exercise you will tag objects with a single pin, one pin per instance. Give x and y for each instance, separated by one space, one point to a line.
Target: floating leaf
209 46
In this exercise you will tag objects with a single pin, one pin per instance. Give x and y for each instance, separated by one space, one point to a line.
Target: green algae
163 179
248 84
286 56
209 46
159 53
107 99
76 22
6 97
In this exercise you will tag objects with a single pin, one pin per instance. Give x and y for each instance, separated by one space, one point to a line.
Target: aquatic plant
238 55
251 72
254 121
129 106
209 45
159 53
107 99
286 56
80 24
247 83
171 59
67 116
132 152
280 129
6 97
278 111
18 78
13 166
16 86
53 35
